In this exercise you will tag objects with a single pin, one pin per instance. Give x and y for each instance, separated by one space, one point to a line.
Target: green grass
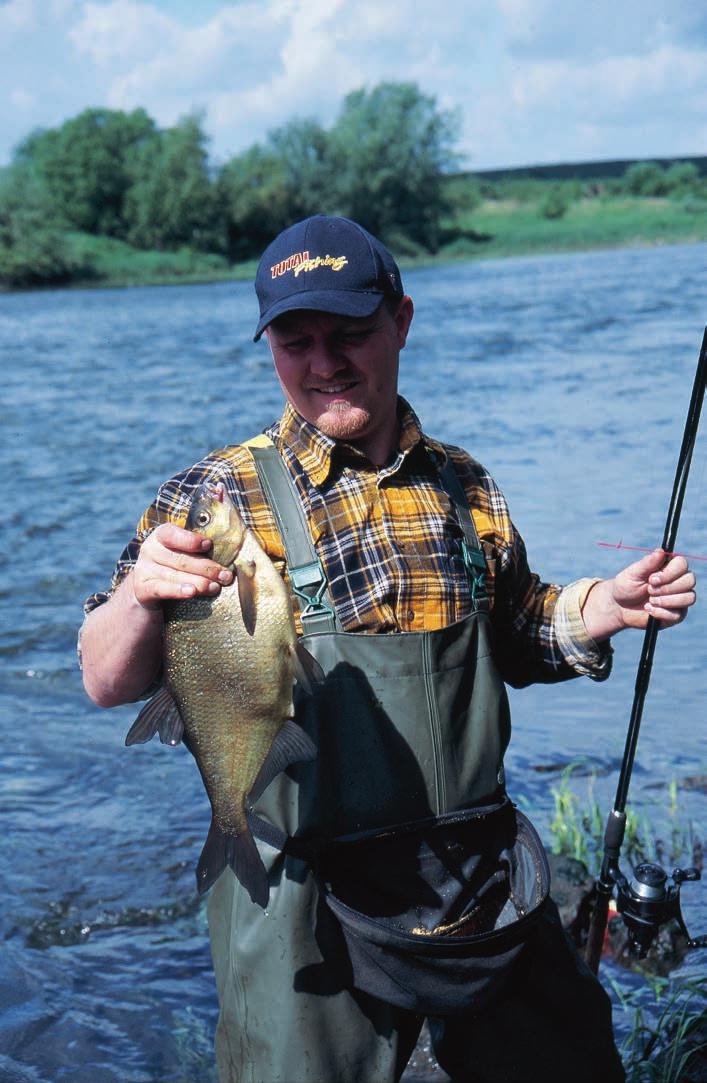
115 263
497 228
666 1043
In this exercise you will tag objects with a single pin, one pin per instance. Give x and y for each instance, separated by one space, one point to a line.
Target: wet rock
65 926
697 783
666 953
572 889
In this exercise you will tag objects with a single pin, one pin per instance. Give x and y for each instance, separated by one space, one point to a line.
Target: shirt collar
317 452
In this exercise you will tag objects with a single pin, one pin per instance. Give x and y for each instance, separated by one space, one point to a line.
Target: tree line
388 161
118 175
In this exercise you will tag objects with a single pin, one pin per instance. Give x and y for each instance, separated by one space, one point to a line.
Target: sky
534 81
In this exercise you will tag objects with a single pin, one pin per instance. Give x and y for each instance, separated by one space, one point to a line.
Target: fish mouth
216 490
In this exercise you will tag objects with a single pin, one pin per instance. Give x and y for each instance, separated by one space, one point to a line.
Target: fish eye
203 518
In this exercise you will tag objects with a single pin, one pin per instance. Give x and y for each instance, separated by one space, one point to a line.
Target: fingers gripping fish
229 666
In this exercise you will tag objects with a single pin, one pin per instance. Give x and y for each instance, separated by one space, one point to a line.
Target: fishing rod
648 900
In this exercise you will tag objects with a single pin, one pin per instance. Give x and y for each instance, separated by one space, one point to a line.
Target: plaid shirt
390 544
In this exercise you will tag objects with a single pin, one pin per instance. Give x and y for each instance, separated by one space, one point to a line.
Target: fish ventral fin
247 593
159 715
241 854
292 745
307 670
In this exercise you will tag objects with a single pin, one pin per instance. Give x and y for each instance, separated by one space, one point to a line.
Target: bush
645 179
555 204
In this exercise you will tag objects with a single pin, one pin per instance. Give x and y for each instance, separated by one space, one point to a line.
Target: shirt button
411 614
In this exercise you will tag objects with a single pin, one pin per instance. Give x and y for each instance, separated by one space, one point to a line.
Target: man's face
341 373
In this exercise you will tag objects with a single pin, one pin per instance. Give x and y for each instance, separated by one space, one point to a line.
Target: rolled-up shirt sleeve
580 651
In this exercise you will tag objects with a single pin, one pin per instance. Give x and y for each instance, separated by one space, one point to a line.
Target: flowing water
568 376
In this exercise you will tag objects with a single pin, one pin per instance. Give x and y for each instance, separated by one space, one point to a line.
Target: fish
230 663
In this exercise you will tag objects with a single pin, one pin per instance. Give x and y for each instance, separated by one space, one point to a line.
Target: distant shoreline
495 229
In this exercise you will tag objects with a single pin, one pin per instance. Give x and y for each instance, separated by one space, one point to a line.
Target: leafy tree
390 148
302 147
645 179
172 200
86 166
268 187
252 195
33 249
682 178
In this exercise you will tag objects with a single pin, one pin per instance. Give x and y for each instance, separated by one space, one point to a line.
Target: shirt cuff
579 650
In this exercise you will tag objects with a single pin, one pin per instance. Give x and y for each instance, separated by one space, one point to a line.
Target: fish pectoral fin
292 745
307 670
241 854
247 593
159 715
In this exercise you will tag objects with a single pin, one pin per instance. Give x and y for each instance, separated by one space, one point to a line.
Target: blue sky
535 80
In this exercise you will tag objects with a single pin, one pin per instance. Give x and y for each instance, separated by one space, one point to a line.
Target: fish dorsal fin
247 593
308 672
292 745
159 715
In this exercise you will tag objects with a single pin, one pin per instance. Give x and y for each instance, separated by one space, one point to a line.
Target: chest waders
411 729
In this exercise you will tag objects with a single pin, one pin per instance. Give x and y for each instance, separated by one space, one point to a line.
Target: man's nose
325 359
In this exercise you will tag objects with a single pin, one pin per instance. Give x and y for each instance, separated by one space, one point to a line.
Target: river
568 376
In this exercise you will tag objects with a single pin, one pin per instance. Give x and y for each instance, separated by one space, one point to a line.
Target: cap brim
336 302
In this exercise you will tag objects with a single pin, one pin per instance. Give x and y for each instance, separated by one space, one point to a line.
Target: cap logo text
301 261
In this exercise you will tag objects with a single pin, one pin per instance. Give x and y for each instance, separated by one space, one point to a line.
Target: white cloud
22 99
561 109
16 15
535 80
122 31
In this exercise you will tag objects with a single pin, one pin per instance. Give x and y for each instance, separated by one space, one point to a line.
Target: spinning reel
648 901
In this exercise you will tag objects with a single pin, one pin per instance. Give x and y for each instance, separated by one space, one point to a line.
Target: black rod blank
616 822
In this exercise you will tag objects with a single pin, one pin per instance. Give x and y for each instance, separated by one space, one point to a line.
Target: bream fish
229 667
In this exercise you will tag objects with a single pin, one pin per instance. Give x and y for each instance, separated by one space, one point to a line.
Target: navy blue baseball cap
325 265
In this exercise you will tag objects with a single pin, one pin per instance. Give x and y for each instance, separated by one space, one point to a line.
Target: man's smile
335 389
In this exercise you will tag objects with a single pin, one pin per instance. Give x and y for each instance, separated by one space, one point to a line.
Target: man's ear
403 319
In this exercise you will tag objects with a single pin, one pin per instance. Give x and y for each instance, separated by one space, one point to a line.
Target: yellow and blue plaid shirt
390 544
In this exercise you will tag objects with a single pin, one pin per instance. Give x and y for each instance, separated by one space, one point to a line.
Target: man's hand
122 640
173 564
654 586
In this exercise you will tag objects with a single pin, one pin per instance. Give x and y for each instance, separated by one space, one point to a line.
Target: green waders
407 726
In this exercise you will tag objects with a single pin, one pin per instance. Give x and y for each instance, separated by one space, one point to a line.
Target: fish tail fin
241 854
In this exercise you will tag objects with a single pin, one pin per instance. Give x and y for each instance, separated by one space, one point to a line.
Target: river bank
492 229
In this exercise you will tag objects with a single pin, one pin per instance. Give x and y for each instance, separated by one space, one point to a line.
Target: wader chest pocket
433 914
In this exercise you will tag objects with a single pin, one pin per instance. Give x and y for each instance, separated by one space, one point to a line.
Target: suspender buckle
309 584
475 564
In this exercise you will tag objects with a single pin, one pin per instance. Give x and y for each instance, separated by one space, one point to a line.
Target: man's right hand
173 564
122 639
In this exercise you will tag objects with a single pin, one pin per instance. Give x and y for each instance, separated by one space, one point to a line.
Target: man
407 726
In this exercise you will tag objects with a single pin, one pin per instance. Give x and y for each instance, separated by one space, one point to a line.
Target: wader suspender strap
472 553
303 565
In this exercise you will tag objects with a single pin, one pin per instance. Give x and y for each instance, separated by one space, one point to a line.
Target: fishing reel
648 901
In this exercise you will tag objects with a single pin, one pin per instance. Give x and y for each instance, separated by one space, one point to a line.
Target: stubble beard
341 421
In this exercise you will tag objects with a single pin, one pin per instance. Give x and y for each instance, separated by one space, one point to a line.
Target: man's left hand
655 586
